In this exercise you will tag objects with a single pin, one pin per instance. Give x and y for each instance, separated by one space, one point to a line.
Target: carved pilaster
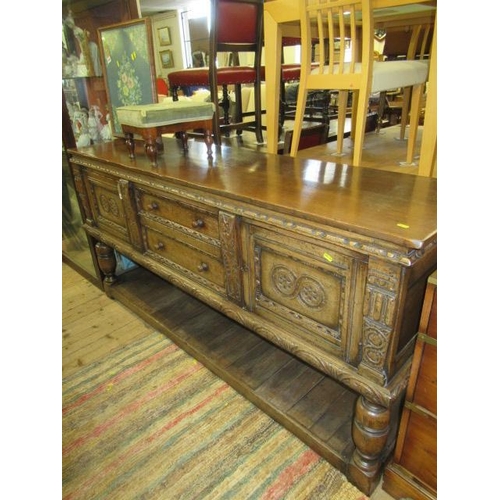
231 255
379 318
125 190
82 194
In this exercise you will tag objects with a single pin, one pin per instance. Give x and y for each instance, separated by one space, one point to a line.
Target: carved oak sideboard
326 262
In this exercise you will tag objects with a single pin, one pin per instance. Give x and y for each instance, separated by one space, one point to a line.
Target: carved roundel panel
309 290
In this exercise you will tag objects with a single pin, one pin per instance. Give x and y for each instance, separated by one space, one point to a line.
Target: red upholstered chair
161 86
236 26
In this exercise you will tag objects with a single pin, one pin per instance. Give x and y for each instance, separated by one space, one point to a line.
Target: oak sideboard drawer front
308 290
192 217
200 265
107 205
192 239
425 394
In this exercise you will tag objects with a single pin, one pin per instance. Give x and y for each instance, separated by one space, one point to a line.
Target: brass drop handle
153 206
203 267
160 246
198 223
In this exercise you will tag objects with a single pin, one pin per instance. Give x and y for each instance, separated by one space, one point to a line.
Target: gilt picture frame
167 59
128 66
164 36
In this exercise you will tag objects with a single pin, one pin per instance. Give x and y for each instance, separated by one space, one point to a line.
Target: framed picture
128 66
164 36
167 60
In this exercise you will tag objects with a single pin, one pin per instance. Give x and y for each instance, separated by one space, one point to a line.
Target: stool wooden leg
184 139
151 149
209 142
129 141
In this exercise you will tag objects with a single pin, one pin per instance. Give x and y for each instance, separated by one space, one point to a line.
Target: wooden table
281 18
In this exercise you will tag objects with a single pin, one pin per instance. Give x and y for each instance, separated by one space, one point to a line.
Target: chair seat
388 75
229 75
165 113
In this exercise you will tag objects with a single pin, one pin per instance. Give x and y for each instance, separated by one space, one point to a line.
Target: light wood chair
419 48
345 30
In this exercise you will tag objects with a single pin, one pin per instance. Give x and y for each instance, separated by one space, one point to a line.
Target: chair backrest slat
341 25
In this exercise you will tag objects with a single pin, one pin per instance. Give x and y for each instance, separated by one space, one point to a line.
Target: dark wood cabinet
413 470
327 263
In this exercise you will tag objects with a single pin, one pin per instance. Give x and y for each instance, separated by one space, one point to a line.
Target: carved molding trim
229 233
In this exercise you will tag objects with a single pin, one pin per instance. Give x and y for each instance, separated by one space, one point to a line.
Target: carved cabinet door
313 293
111 206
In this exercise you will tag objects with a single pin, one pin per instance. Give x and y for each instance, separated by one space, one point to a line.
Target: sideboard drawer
170 210
201 265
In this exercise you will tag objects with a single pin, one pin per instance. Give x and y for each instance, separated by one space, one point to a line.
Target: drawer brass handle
203 267
153 206
198 223
160 246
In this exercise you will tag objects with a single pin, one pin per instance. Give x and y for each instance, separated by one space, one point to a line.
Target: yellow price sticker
327 257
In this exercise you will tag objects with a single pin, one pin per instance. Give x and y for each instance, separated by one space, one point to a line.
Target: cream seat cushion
164 113
388 75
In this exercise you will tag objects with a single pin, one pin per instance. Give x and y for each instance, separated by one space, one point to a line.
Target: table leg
273 35
107 262
370 431
428 149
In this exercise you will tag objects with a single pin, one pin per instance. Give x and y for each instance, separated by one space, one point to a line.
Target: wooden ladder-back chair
236 27
419 48
340 25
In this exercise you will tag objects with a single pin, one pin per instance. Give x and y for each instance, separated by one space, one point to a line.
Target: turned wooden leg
184 139
151 149
209 142
107 262
370 431
129 141
159 145
225 104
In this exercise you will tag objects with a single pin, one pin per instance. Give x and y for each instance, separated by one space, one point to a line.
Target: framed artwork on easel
128 66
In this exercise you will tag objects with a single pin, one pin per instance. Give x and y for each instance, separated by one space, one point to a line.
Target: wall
171 20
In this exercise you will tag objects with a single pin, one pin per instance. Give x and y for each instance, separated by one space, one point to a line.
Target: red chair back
161 86
237 22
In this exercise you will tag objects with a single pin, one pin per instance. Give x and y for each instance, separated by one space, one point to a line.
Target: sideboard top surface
398 208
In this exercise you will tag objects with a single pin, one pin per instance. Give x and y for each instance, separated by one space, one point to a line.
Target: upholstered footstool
152 120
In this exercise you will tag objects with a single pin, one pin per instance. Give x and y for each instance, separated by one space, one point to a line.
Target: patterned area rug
150 422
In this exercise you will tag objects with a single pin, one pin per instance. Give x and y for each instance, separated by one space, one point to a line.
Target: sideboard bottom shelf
312 406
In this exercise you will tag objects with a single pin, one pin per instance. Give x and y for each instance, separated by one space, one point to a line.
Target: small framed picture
164 36
167 60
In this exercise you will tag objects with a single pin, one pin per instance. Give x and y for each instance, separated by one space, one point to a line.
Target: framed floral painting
128 66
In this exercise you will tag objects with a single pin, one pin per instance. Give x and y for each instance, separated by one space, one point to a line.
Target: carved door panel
313 293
